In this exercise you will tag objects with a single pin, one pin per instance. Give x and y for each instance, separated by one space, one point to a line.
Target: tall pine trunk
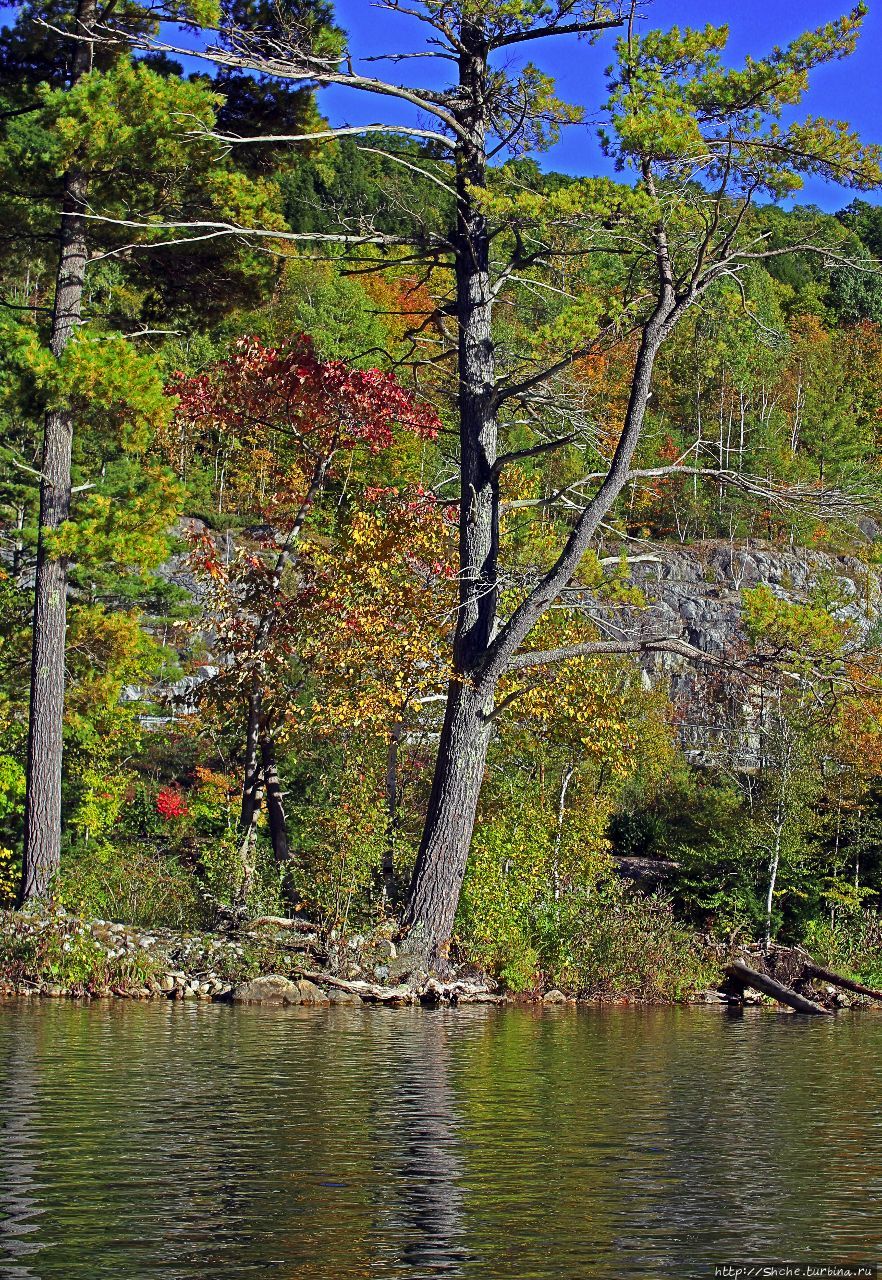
480 655
465 737
42 822
450 820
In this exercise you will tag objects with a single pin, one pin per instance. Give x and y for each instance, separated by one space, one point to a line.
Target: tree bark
481 654
275 800
42 818
450 820
465 736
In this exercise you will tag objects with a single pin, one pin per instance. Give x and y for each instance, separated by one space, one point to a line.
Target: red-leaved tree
281 426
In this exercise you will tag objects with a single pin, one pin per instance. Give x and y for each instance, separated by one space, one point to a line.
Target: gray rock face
697 589
271 988
693 593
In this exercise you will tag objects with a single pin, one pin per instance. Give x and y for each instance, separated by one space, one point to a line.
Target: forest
345 468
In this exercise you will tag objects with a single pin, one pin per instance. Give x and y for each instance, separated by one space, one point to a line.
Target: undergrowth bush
621 943
134 885
851 944
63 951
585 931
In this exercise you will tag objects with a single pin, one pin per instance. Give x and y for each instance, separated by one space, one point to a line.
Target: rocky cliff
695 592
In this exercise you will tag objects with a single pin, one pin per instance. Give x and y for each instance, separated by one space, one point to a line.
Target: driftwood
280 922
370 991
739 972
812 970
432 992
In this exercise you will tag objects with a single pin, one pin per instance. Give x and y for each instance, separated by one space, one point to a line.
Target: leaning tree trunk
480 655
42 819
450 820
459 767
482 652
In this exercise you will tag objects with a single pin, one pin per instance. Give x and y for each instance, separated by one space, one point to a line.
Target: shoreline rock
270 962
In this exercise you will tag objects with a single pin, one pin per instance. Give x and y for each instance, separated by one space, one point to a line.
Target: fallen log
812 970
769 987
370 991
280 922
432 991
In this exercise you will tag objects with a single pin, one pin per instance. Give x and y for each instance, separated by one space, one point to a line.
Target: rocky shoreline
273 961
58 955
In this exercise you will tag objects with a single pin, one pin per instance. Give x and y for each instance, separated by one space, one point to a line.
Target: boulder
554 997
270 988
310 993
343 997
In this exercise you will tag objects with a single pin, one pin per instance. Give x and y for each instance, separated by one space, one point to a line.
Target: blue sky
848 90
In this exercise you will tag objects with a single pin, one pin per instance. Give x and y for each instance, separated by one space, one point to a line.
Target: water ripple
175 1142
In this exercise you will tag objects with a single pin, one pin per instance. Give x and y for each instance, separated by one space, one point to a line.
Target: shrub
536 919
10 868
621 943
850 944
130 884
62 950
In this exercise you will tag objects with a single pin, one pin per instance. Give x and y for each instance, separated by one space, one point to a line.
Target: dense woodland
346 447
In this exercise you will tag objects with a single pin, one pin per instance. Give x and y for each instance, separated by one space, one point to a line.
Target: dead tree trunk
813 970
747 977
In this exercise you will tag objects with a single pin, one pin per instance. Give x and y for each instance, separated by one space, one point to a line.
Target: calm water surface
177 1141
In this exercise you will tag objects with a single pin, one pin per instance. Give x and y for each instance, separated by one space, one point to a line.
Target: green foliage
674 104
623 945
341 843
850 944
110 880
317 298
62 951
10 873
776 375
805 631
597 938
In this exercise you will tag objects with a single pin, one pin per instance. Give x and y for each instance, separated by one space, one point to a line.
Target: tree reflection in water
422 1206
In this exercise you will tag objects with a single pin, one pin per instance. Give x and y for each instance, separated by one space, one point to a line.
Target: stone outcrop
693 592
269 988
696 590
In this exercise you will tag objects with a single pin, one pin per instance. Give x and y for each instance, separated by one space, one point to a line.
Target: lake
178 1140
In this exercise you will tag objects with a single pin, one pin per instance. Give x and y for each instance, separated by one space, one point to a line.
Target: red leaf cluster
324 404
170 804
